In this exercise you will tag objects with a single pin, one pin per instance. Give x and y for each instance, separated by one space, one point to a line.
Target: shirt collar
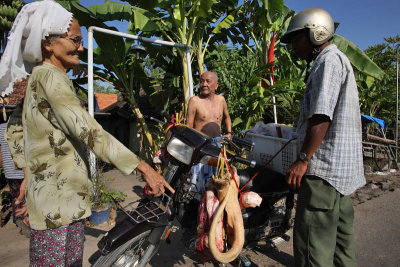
53 67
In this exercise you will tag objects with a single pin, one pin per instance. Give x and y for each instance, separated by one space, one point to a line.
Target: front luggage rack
147 210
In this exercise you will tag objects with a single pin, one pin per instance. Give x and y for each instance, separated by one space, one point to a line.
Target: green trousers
323 229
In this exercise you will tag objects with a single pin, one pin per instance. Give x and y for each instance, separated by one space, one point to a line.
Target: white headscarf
33 23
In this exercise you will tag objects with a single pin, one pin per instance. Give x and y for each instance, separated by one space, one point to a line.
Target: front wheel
135 252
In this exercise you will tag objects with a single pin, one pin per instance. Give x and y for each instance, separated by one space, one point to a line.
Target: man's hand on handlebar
228 135
156 181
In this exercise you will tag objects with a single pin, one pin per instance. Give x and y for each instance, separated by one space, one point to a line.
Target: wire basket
149 211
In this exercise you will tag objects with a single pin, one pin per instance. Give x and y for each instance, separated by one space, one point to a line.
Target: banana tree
182 21
121 67
378 97
225 12
252 30
358 58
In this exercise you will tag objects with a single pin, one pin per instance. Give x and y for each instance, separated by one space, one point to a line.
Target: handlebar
248 145
166 116
157 120
239 144
244 161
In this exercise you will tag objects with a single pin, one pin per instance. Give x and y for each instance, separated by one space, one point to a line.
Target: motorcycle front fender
124 231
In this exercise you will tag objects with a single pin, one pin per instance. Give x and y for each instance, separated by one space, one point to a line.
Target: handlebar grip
244 161
166 116
249 145
157 120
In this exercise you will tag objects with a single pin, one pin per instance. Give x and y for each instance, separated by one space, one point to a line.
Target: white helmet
317 20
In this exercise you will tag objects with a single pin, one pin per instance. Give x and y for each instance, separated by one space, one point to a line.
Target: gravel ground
376 231
377 184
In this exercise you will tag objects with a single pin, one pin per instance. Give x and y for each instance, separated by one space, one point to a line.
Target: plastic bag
249 199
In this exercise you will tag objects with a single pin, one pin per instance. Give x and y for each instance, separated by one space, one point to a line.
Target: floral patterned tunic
57 132
15 138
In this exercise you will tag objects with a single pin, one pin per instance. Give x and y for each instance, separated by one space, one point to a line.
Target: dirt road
377 224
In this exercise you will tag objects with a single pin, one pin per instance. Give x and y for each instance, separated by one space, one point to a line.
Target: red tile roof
105 100
19 92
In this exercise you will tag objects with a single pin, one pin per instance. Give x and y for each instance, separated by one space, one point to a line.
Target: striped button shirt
332 91
8 164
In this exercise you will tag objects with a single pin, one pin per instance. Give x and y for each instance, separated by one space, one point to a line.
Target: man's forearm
316 131
228 125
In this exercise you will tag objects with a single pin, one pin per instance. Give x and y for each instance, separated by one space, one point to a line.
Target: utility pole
397 98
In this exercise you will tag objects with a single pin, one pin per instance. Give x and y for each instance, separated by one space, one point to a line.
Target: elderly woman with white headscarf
57 131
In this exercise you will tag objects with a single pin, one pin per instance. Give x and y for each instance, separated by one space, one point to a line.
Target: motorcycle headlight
180 150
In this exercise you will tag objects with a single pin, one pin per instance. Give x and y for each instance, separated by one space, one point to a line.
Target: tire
132 253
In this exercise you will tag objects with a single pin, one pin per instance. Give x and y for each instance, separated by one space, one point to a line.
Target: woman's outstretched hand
155 180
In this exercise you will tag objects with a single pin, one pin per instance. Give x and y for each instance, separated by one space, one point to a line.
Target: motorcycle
135 239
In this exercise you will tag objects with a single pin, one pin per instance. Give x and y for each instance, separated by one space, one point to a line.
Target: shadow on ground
275 254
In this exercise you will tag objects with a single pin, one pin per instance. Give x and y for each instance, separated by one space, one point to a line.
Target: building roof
18 93
105 100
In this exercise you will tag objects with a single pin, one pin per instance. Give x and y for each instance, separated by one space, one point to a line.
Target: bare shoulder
194 101
221 98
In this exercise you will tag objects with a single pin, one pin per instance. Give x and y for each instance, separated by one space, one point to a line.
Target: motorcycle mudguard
122 232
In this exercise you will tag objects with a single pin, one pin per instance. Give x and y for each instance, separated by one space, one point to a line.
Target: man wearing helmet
330 165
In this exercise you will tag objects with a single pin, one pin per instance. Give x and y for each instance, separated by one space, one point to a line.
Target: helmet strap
307 71
316 51
314 54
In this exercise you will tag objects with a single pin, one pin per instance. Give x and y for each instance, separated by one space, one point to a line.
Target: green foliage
248 102
250 96
378 97
99 87
186 21
358 58
203 25
111 197
8 11
111 10
105 196
234 68
122 68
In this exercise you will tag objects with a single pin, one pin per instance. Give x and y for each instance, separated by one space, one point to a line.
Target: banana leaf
111 11
358 58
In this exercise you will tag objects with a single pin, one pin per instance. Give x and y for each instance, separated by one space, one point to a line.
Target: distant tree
378 98
100 87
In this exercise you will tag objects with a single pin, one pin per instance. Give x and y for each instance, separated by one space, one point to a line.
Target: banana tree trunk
200 61
142 130
185 80
200 55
